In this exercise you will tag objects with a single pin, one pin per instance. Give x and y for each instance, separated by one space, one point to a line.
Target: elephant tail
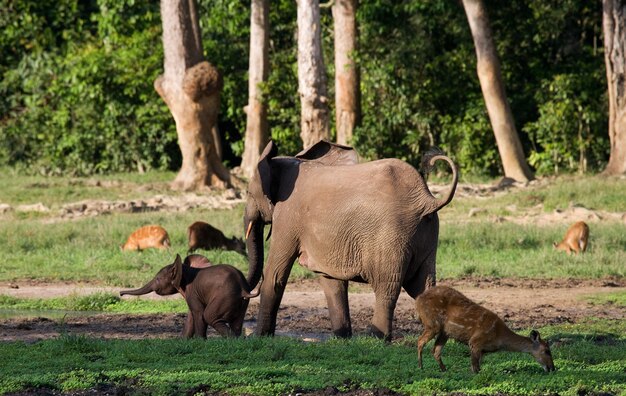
253 293
428 164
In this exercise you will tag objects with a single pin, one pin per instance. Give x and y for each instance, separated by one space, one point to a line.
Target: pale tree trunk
257 129
614 27
489 75
190 86
314 123
347 92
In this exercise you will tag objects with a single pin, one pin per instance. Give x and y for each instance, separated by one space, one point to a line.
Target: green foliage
76 93
589 358
570 133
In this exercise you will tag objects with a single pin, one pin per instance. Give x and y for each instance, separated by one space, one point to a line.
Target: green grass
86 250
615 298
590 358
511 250
17 189
96 302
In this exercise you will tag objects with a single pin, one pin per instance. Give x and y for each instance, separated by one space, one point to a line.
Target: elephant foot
342 333
373 331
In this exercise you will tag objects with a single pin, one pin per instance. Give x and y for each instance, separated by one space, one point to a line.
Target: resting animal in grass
446 313
150 236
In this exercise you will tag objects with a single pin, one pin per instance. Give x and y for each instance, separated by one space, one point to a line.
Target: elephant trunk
138 292
254 246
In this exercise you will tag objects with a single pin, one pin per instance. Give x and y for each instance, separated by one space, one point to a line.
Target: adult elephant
373 222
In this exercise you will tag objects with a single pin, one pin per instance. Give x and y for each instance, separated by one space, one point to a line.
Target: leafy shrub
570 133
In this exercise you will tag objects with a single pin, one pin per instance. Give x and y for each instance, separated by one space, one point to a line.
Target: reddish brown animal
575 239
446 313
150 236
204 236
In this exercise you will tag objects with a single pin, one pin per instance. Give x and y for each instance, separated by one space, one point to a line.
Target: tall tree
490 77
614 27
347 80
190 86
314 122
257 128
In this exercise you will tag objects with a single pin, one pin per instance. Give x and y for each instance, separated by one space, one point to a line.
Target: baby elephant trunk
138 292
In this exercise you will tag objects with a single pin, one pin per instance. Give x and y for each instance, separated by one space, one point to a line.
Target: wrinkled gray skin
217 295
374 222
203 235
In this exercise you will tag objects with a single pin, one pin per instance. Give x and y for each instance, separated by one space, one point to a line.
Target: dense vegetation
76 91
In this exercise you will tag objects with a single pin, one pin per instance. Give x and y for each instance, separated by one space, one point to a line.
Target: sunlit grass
590 358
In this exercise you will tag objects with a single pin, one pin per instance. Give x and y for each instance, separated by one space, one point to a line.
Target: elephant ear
177 271
328 153
265 168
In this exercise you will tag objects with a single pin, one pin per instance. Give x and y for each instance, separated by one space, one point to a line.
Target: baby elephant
204 236
445 313
217 295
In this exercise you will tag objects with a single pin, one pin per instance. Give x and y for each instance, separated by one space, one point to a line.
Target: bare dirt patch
303 312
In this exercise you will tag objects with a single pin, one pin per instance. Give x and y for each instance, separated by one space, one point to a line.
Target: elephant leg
188 327
387 293
199 325
336 292
275 278
222 328
237 325
425 277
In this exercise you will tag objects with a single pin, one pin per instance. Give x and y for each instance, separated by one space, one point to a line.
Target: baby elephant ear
329 153
177 271
534 336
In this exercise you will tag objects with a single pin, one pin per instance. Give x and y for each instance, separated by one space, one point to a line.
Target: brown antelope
150 236
575 239
446 313
204 236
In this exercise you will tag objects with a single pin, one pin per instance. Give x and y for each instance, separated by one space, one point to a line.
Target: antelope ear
534 336
177 271
329 153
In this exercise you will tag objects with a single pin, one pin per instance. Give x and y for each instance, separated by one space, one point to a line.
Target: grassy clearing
87 250
616 298
96 302
17 189
513 250
590 358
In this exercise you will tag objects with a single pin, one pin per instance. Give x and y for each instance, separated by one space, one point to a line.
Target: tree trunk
614 27
191 87
489 75
347 92
311 75
257 129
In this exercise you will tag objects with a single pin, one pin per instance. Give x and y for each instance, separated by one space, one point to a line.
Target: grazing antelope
150 236
204 236
446 313
575 239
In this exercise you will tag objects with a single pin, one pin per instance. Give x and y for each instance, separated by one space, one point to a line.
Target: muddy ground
303 313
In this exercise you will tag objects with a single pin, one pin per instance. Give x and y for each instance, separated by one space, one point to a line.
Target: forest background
77 96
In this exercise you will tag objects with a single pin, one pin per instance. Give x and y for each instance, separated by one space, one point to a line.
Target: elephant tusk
249 229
